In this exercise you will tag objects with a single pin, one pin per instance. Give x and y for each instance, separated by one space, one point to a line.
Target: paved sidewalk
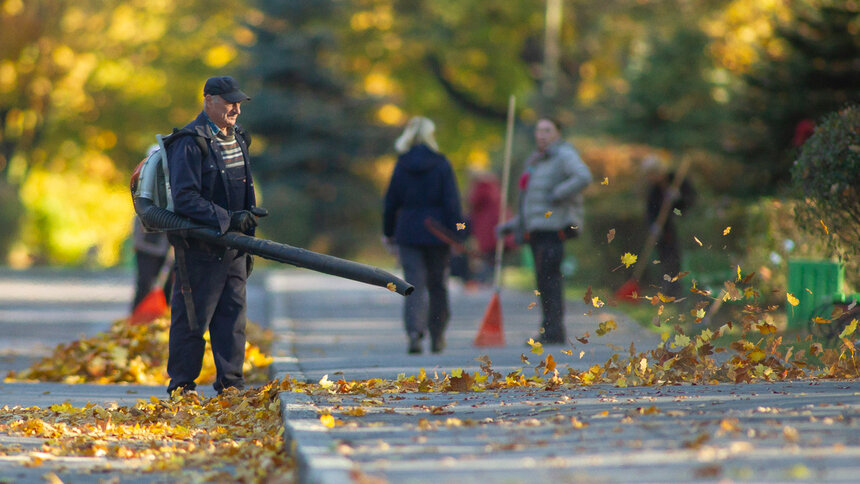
41 308
807 431
350 330
760 432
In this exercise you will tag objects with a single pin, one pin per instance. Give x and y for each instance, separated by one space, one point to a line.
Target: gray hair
418 130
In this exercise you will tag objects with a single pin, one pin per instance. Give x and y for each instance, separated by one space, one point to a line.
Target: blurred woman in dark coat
422 186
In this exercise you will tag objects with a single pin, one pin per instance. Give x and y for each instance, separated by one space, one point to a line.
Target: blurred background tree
84 86
316 135
810 69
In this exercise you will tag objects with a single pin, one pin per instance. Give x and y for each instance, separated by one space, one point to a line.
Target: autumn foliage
192 439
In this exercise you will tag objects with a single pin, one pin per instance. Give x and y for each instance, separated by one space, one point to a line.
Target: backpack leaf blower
151 196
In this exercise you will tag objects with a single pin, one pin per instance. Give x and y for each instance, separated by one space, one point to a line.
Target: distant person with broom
422 187
151 252
662 195
551 210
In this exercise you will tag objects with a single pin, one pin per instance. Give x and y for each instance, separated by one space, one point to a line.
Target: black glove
259 211
242 221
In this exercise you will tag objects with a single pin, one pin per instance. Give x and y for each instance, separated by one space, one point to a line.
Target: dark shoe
437 344
414 345
184 393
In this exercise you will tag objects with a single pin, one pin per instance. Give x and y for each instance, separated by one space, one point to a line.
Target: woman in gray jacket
551 211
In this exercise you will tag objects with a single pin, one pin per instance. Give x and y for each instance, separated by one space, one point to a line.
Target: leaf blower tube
158 218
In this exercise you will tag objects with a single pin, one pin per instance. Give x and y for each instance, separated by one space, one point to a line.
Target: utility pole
552 49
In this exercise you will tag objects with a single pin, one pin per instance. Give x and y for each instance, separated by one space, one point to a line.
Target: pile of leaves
747 350
233 437
137 354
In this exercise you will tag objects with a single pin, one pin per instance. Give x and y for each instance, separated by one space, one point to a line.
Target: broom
445 235
491 332
630 290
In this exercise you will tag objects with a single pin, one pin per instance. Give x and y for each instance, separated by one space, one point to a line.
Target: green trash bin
814 283
527 260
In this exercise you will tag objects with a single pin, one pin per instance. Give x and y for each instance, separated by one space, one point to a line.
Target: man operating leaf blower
199 189
211 184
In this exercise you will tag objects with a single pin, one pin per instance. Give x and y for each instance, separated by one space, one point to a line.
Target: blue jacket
422 186
199 186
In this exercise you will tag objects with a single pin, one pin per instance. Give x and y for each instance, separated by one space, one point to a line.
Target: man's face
545 134
222 113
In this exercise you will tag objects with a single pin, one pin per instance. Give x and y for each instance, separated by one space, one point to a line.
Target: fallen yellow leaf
327 421
756 355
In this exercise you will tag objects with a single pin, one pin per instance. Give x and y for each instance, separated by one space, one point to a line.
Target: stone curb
305 437
310 442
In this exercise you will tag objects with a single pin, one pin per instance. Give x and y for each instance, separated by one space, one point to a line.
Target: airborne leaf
537 347
849 330
628 259
605 327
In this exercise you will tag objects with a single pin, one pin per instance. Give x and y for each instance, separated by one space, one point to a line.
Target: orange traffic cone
152 307
491 333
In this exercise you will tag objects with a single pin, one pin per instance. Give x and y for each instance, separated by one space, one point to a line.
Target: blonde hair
418 130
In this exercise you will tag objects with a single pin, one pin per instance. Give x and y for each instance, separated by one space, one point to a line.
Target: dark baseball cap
226 87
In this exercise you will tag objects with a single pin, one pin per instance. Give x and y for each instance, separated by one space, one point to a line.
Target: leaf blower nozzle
160 219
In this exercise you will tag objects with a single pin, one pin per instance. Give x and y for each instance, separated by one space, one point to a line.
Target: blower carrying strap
185 287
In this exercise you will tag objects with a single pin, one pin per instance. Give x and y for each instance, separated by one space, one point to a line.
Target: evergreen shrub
826 177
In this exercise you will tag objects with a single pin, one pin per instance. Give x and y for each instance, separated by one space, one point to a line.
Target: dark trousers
548 251
148 267
218 292
425 267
